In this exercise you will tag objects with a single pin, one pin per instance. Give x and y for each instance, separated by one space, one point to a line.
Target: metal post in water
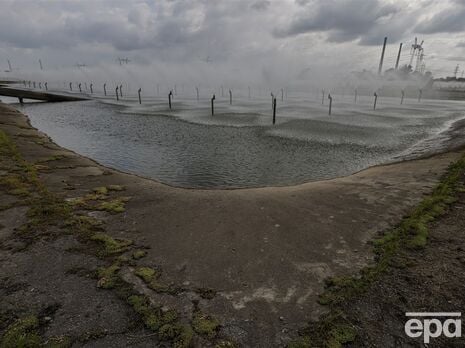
323 97
376 99
121 91
402 97
117 96
138 92
213 106
169 98
230 97
91 89
330 103
197 91
105 89
80 90
46 86
420 92
355 99
274 110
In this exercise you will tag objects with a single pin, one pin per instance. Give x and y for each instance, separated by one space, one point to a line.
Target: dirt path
242 266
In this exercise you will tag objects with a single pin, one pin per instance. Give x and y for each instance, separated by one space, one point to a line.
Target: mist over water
239 146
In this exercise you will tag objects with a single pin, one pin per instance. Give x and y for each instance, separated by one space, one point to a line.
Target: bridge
34 95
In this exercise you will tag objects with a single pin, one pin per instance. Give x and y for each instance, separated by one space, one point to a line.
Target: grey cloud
260 5
449 20
347 20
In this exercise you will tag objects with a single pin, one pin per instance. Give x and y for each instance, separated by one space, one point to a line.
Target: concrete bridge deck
35 95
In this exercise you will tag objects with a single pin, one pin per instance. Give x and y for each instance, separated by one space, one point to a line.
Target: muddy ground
95 257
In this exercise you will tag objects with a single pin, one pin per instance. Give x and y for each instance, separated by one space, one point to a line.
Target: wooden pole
272 101
169 98
91 89
398 56
71 86
402 97
117 96
376 99
330 103
419 95
80 90
138 92
46 86
230 97
274 110
40 85
121 91
213 106
105 89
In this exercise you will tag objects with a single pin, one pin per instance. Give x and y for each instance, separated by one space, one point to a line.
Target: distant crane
416 51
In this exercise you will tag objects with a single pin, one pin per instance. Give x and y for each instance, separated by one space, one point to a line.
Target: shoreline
453 143
265 251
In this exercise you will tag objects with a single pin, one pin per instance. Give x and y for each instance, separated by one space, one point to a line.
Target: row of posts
119 94
420 92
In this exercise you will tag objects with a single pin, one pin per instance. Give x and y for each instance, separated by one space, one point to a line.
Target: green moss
138 254
341 335
154 318
184 337
111 245
15 185
23 333
108 276
205 324
114 206
147 274
180 335
101 190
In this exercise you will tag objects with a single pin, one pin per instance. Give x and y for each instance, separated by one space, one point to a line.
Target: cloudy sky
286 35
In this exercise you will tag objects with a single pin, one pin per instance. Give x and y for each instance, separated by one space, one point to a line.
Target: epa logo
430 326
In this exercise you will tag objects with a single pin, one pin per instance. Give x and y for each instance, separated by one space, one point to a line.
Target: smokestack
382 57
398 56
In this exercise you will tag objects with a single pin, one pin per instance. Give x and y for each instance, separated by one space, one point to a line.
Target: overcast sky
289 35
